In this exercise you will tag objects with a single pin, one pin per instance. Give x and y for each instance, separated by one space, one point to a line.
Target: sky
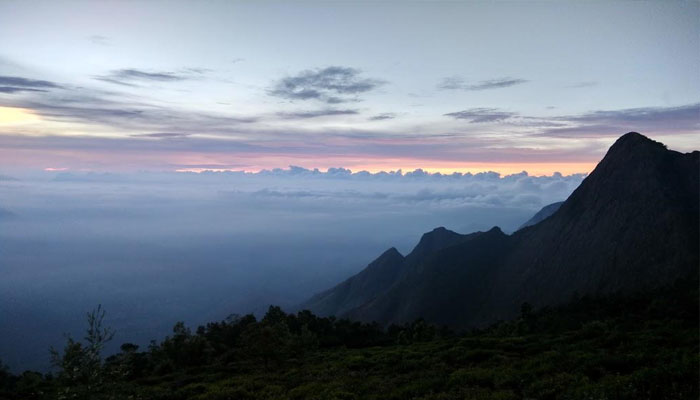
541 87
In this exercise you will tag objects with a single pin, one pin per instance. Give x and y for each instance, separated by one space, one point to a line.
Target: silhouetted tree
267 341
80 370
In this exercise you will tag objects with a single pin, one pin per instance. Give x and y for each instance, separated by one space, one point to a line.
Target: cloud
11 89
584 84
102 108
16 84
458 83
609 123
331 85
688 112
452 83
164 135
479 115
99 40
259 148
315 114
382 117
203 241
197 70
24 82
128 76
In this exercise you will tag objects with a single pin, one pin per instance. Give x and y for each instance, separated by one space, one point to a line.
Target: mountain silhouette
541 215
632 224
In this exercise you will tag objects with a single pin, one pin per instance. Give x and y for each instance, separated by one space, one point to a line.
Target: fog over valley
155 248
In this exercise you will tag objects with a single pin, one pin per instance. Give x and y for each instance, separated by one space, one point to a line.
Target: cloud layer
166 134
331 85
480 115
132 76
156 248
660 120
16 84
458 83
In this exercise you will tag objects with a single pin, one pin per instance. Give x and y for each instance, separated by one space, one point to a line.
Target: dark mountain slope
358 289
443 286
378 276
430 242
632 224
543 214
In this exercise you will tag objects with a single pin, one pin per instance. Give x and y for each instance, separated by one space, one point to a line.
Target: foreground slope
632 224
640 346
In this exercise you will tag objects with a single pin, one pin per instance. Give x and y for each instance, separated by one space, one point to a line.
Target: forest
642 345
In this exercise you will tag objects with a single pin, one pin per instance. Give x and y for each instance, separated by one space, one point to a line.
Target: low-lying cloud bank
155 248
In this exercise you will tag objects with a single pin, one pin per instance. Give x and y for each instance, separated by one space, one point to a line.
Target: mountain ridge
544 213
602 239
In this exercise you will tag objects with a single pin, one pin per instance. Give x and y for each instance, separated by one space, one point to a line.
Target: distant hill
632 224
541 215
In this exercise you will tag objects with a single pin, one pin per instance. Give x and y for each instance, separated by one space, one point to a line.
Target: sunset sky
442 86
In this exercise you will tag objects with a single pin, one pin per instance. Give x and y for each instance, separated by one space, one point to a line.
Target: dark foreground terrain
640 346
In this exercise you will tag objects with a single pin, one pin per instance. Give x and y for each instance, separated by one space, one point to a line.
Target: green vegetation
642 346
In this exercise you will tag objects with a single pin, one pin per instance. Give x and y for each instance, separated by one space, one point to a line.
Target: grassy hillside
643 346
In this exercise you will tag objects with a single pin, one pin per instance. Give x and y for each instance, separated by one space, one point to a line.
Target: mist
157 248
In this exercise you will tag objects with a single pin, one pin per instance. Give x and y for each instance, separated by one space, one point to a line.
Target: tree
274 315
80 369
525 311
4 376
305 342
266 342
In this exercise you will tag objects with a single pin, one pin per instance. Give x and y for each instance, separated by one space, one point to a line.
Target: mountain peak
432 241
495 229
633 157
390 253
630 225
636 136
634 141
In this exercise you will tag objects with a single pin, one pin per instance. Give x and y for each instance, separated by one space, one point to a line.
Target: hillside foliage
641 346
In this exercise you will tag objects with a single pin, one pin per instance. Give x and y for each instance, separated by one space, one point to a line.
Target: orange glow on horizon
533 169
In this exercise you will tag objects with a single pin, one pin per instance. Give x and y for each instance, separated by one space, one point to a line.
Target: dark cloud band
331 85
457 83
482 115
315 114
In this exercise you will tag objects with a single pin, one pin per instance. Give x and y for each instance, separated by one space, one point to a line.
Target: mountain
541 215
379 275
359 289
632 224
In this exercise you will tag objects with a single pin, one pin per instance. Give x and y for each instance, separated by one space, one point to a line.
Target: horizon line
332 171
